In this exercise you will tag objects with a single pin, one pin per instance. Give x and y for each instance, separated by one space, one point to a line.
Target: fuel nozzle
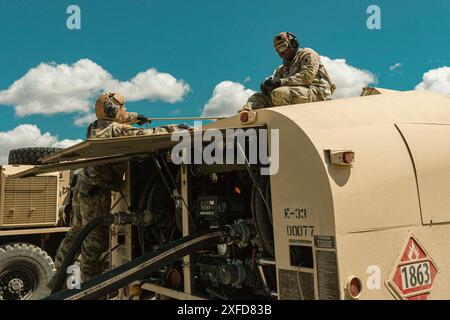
145 218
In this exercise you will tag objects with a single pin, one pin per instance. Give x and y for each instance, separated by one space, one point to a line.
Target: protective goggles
111 107
281 47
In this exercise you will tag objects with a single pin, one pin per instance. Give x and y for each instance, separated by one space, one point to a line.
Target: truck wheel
24 272
29 155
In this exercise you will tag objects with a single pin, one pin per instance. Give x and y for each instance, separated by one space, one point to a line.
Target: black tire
30 155
24 272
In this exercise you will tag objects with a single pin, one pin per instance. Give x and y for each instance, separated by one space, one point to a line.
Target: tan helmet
284 40
108 106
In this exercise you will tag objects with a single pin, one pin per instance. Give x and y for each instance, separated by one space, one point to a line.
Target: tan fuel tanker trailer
356 206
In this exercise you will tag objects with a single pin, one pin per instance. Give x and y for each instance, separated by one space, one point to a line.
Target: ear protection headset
292 40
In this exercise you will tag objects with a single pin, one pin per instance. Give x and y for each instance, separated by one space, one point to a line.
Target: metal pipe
186 118
266 262
263 277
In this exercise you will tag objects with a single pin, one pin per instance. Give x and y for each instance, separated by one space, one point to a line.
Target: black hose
262 217
74 248
166 184
136 269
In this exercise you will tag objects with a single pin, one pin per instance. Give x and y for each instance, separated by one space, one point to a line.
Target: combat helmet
284 40
108 106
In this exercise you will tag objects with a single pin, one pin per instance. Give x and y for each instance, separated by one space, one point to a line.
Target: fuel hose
136 269
74 248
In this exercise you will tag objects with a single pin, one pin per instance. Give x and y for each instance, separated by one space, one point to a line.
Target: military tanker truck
353 204
32 223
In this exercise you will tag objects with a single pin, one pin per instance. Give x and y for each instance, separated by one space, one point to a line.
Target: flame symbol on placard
413 253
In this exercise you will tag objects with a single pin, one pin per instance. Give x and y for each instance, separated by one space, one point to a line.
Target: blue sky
206 42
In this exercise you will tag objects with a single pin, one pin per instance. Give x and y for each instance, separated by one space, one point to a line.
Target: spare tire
30 155
24 272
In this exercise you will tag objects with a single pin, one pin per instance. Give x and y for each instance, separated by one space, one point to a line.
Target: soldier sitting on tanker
92 194
301 78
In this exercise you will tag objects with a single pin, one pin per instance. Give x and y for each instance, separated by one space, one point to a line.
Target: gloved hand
264 89
141 119
272 84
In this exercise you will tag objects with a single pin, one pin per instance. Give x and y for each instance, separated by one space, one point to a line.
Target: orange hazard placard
415 272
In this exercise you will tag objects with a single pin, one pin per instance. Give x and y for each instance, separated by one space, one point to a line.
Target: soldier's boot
52 281
257 101
246 107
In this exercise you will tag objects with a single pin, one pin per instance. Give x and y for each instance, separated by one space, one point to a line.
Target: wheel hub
15 285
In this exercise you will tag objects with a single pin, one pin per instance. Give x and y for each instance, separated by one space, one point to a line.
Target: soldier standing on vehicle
301 78
92 196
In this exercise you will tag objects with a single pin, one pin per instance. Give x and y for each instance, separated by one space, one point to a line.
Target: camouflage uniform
92 198
304 79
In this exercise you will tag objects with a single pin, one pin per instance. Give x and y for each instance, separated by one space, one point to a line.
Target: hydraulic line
189 211
263 222
136 269
166 184
247 166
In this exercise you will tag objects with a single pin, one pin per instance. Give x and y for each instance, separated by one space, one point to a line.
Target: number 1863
416 275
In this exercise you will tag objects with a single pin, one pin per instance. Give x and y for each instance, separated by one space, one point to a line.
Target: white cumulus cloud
85 119
228 97
349 80
28 135
51 88
436 80
151 85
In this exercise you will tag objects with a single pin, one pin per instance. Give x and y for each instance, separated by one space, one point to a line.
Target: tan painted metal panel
362 252
93 148
170 293
30 201
69 165
2 193
368 91
430 149
32 231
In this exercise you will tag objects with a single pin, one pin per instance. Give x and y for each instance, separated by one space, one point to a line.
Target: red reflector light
244 117
354 287
348 157
174 279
